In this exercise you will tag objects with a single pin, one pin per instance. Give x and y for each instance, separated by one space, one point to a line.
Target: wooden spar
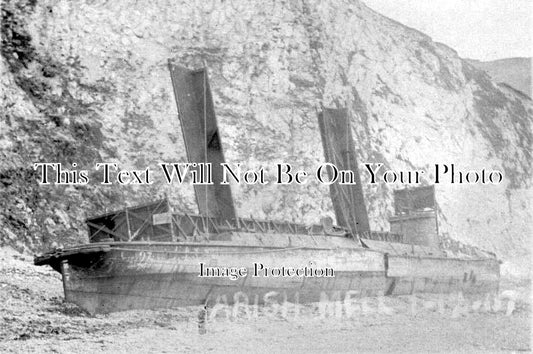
348 199
202 139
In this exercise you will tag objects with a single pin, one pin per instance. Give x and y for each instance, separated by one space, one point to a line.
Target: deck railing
155 222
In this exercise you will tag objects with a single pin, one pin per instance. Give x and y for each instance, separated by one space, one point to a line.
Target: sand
35 319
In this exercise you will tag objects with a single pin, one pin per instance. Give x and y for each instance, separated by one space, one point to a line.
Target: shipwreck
147 256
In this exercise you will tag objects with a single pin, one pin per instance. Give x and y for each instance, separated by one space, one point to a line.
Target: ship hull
124 276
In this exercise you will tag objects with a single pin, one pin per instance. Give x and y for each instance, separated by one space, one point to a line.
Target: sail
348 199
202 139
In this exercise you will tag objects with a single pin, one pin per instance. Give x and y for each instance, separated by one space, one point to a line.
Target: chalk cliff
87 81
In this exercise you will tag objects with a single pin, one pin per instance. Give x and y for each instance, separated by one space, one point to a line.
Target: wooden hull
139 275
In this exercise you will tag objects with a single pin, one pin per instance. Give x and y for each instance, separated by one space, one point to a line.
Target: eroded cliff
87 81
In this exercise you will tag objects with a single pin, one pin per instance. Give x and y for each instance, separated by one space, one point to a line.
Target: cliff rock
87 81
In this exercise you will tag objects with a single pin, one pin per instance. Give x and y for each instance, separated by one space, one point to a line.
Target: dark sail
202 140
348 200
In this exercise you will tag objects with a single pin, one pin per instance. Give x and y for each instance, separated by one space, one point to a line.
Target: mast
339 149
202 139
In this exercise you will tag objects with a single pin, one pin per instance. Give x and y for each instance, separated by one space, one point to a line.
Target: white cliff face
413 103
